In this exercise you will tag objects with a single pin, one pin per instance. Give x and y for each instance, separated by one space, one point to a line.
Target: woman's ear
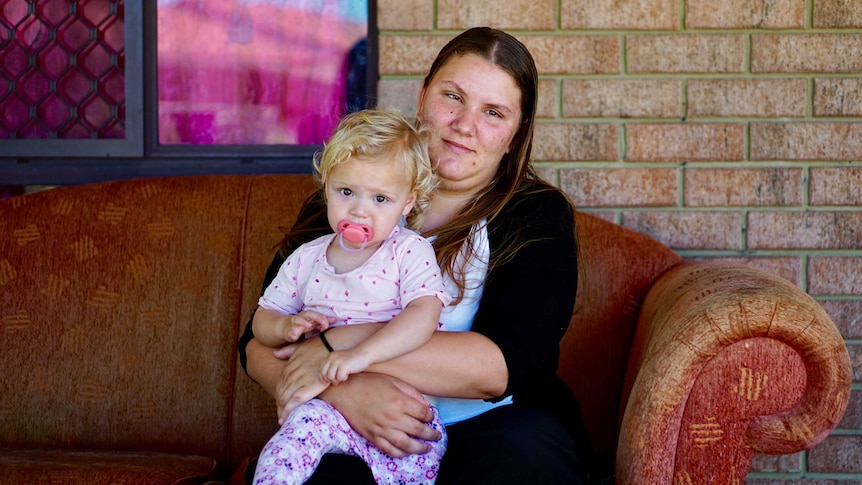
419 102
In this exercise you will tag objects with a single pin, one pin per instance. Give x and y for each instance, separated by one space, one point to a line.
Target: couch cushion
88 467
119 308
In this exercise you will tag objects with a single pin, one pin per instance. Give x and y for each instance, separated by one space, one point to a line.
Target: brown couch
121 304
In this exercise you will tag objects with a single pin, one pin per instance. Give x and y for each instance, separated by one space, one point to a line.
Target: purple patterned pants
316 428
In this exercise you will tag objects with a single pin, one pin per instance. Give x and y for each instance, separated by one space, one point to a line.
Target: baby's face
376 193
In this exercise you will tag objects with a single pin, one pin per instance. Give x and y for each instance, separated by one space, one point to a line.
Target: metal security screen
62 69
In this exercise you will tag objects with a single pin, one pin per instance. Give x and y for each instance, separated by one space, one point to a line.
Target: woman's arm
263 367
451 364
527 302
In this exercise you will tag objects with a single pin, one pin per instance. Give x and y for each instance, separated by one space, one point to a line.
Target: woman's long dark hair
515 173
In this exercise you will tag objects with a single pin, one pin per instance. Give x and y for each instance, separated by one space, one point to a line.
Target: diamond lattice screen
62 66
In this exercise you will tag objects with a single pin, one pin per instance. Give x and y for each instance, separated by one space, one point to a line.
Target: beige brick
547 101
563 142
804 230
836 186
685 142
620 187
573 54
622 98
511 14
401 94
837 14
746 97
852 418
777 463
689 230
806 141
548 173
405 15
855 352
837 454
685 53
789 268
745 14
620 14
811 53
402 54
708 187
838 97
846 315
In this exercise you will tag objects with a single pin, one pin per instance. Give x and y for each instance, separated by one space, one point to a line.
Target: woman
506 242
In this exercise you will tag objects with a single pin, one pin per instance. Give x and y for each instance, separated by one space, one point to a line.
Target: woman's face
474 108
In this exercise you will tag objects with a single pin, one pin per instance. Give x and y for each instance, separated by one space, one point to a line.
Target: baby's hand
304 321
340 364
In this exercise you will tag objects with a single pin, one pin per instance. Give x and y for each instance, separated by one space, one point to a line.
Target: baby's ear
411 201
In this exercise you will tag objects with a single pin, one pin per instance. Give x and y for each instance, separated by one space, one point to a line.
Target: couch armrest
727 361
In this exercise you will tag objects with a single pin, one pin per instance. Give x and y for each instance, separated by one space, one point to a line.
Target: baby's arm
408 331
275 329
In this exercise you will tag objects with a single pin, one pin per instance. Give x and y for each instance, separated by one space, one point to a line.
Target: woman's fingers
284 353
402 446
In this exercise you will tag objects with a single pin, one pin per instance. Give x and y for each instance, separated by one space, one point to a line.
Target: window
104 89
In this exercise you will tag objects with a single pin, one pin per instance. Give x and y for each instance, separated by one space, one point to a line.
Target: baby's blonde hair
374 134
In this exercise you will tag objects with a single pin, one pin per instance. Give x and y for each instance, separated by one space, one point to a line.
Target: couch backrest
95 279
273 204
617 267
120 306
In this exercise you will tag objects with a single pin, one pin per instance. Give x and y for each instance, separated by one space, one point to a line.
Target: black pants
514 444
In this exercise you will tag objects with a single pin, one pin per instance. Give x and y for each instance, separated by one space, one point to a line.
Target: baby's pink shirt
402 269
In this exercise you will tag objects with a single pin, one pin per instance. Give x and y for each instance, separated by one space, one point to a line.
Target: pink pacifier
355 233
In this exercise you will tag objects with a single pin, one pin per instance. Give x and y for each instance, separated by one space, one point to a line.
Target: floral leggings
316 428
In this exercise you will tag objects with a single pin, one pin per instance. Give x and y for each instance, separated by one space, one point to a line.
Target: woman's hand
386 411
300 377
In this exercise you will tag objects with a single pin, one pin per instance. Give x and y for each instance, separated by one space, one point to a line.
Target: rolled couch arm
727 361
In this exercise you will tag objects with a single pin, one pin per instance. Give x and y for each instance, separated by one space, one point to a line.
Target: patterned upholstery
121 307
121 304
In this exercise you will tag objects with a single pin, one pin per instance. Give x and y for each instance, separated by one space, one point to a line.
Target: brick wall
728 129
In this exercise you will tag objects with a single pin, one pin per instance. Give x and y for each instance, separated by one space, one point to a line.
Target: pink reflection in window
254 71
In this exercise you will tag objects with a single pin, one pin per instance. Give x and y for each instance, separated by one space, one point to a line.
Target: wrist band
325 342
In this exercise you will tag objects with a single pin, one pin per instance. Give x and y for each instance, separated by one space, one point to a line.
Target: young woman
492 221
